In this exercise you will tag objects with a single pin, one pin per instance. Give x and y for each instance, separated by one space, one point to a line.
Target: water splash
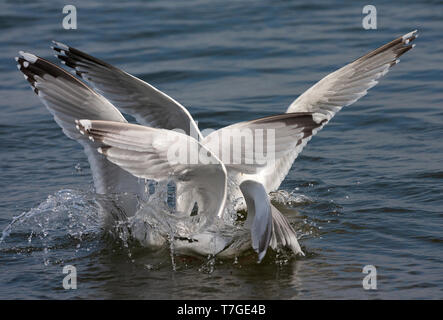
290 199
67 212
67 225
73 220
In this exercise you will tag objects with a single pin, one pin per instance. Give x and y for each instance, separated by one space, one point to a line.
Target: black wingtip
25 64
32 66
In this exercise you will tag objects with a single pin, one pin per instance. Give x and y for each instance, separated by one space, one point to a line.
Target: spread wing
160 154
67 99
251 146
339 89
147 104
348 84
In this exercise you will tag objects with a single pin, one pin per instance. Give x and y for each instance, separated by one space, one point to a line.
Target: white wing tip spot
86 124
409 35
32 58
60 45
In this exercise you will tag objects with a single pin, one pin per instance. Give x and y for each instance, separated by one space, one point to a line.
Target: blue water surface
367 190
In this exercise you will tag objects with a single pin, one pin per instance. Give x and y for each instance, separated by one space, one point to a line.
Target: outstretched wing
348 84
160 154
339 89
248 147
67 99
147 104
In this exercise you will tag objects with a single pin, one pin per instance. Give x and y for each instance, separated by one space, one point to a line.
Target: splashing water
289 198
74 219
68 212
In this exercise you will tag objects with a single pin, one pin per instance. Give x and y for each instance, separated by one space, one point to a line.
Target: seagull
120 153
145 153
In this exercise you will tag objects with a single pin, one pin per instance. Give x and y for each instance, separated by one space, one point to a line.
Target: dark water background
366 190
